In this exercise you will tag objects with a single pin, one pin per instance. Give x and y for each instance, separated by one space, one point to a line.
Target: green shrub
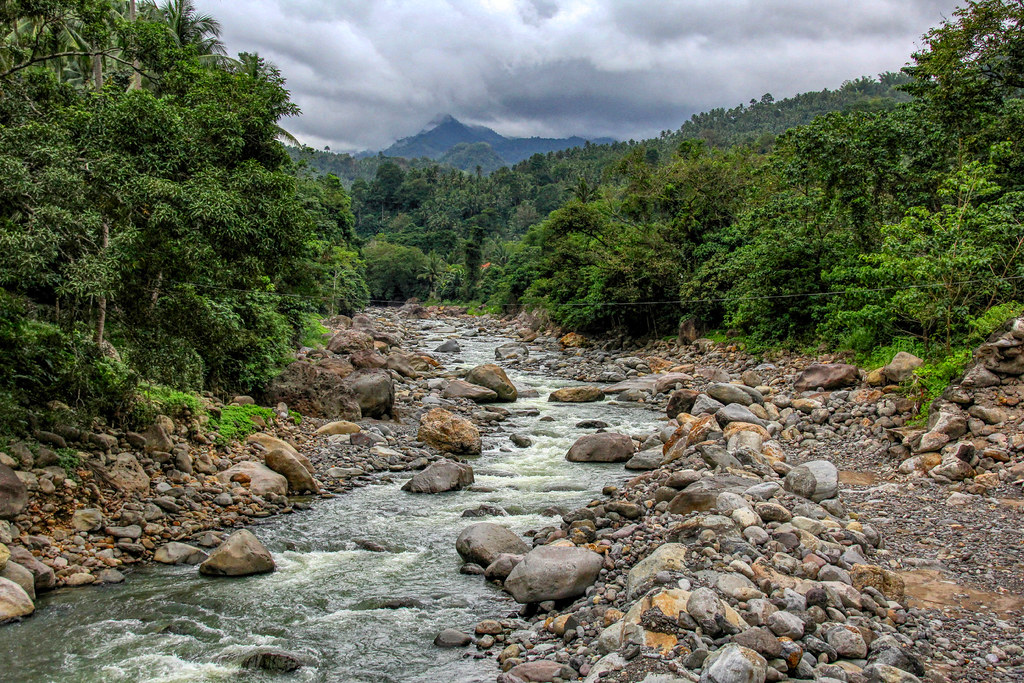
236 422
157 399
69 461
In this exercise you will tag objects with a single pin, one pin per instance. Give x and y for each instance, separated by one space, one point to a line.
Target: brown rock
448 433
585 394
603 447
494 378
826 376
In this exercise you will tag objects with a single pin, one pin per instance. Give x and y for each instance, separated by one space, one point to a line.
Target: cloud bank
366 72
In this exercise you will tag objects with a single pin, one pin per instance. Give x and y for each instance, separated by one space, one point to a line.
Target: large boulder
734 412
902 367
459 389
603 447
402 364
481 543
668 557
242 554
43 575
259 478
734 664
449 433
511 350
443 475
816 480
733 393
448 346
553 573
827 376
179 553
127 475
374 391
315 390
13 493
21 576
14 601
350 341
495 379
681 401
269 443
585 394
284 462
367 360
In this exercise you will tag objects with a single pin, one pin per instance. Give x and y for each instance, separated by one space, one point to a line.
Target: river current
349 613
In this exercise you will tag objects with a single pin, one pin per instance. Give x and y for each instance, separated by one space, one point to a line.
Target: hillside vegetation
151 228
894 215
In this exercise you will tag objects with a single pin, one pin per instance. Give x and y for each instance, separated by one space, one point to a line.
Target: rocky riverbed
675 512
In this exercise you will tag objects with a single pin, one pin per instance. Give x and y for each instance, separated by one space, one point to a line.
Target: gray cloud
366 72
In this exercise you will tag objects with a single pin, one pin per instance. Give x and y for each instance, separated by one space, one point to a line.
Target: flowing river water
330 602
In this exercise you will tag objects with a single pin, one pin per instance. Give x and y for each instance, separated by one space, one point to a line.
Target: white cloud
366 73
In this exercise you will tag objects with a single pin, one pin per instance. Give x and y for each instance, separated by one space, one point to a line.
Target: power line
710 300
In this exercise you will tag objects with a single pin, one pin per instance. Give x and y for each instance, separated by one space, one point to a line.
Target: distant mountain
445 133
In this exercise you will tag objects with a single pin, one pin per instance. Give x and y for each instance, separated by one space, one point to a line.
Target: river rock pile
974 432
723 563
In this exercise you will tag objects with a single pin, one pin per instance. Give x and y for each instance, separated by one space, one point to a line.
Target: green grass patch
236 422
69 460
312 333
157 399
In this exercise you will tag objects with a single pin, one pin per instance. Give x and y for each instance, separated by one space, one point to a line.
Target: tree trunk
102 320
97 72
136 81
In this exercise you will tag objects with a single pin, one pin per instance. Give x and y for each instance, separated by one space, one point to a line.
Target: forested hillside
151 228
417 207
895 216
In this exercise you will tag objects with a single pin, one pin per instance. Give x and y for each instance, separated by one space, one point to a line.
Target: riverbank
852 427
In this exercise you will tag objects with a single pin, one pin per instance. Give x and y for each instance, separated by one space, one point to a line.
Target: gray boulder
734 664
13 493
502 567
443 475
734 393
460 389
902 367
43 575
374 390
705 405
14 601
179 553
241 554
826 376
816 480
495 379
449 346
603 447
282 461
553 573
511 350
481 543
734 412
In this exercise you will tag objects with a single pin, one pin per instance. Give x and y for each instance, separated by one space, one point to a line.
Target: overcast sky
366 72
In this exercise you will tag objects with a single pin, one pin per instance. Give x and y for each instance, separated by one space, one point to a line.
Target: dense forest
151 227
155 231
889 209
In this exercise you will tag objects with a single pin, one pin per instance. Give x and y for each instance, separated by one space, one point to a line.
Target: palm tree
433 271
189 27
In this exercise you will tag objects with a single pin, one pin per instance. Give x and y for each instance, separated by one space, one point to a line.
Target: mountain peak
445 132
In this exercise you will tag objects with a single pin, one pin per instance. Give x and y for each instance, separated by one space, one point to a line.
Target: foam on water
351 614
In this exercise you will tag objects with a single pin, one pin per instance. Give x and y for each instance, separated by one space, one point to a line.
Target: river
326 602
